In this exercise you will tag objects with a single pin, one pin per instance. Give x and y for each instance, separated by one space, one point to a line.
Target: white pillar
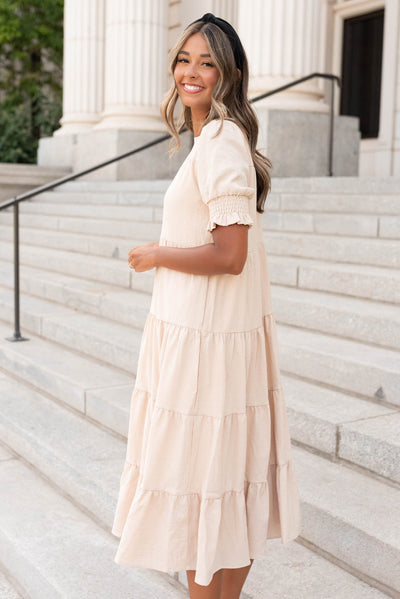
83 65
136 64
226 9
285 40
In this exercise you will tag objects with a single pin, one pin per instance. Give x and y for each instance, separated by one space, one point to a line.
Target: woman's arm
227 254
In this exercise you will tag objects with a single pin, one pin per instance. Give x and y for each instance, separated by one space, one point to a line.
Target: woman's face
196 76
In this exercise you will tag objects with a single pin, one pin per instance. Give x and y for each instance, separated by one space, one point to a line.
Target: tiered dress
208 476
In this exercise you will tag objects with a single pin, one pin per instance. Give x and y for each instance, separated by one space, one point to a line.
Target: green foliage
31 46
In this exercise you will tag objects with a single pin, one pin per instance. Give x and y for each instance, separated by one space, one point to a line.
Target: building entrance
362 70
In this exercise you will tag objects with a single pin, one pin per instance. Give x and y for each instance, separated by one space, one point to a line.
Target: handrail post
17 333
331 122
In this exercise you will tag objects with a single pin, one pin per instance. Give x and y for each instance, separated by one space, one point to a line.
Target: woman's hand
143 257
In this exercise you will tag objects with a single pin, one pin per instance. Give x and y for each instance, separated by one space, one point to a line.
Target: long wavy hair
229 99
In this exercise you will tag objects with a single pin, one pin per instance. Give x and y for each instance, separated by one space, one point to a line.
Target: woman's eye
207 64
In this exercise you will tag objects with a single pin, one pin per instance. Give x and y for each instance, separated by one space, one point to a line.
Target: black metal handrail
57 182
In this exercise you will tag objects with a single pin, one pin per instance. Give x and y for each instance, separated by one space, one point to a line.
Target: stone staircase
333 248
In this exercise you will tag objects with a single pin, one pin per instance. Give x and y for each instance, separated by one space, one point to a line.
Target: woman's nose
191 70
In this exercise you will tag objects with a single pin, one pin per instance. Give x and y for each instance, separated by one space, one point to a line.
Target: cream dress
208 476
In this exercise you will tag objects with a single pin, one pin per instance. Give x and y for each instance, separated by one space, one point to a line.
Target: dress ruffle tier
215 505
208 476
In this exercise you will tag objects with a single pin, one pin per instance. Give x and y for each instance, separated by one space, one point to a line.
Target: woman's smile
191 88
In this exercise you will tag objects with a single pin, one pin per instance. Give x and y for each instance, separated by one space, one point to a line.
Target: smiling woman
196 78
208 476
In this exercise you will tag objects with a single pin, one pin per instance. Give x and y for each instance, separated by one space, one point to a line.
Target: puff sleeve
223 174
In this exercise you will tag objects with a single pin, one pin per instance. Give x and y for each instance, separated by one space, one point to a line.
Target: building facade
116 71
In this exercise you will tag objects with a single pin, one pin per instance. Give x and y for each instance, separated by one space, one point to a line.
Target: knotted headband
233 37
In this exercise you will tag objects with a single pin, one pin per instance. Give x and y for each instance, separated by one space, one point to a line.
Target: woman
208 475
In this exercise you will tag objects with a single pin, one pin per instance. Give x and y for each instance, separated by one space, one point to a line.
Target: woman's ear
239 73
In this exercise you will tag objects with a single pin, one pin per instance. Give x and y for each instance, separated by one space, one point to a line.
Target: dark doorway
362 70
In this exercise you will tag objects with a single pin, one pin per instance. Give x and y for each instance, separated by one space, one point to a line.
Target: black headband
233 37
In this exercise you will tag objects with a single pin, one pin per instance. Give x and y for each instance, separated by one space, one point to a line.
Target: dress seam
255 482
181 326
261 405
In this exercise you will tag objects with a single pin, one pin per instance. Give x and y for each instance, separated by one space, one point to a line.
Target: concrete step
375 283
122 305
78 242
353 225
350 517
136 186
101 227
353 280
42 533
144 214
330 422
372 186
369 371
334 202
142 220
290 564
110 342
362 320
20 178
352 250
76 454
295 572
95 268
7 589
62 210
342 427
292 202
83 462
358 319
363 370
374 252
70 377
144 193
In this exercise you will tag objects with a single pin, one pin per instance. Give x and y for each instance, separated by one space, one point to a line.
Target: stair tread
331 406
349 495
78 455
366 269
372 185
316 341
95 458
350 516
295 572
336 302
298 570
58 370
42 533
350 268
105 393
325 344
7 590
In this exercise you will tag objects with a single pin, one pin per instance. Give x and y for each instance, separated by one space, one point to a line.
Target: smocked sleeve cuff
228 210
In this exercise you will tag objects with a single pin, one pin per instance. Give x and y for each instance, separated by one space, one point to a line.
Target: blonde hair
229 100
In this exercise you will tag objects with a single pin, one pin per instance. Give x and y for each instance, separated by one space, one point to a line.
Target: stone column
135 64
284 41
83 65
226 9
